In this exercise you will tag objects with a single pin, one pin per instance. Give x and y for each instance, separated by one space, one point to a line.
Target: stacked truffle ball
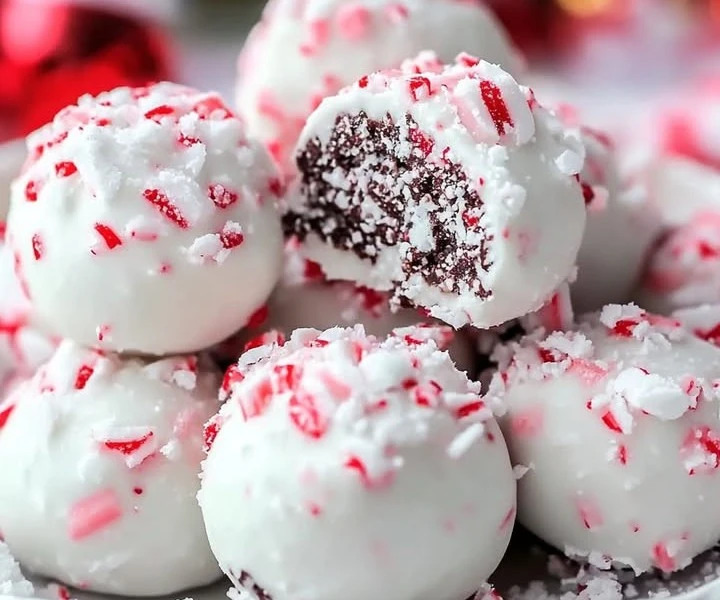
136 219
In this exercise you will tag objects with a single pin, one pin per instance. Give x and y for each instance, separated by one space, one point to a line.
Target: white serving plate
525 564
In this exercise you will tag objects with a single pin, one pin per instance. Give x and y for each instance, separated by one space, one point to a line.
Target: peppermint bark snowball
447 185
683 270
618 421
100 470
145 221
305 50
378 454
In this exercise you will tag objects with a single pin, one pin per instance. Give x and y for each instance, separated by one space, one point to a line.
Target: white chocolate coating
100 472
504 222
23 347
151 198
680 189
305 50
304 299
618 421
621 226
703 321
376 454
684 269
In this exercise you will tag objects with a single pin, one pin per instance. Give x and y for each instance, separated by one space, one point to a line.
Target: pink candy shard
92 514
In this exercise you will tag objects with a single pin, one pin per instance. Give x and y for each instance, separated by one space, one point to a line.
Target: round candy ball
618 421
145 221
302 51
100 459
448 185
383 446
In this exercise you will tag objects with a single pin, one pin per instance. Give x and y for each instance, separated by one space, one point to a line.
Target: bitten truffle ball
448 185
100 459
618 422
305 50
379 454
145 221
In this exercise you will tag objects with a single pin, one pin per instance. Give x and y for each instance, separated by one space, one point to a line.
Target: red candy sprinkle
231 239
306 417
214 108
221 196
312 271
363 81
356 464
31 191
83 376
416 85
187 141
162 203
492 97
611 422
37 246
157 113
65 169
112 240
5 415
662 558
424 142
93 514
210 432
259 317
469 409
127 447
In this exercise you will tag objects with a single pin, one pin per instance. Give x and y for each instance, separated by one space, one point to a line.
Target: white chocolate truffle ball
305 299
618 422
621 226
383 446
448 185
683 270
145 221
302 51
100 460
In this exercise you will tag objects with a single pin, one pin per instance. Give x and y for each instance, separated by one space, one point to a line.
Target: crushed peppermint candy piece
435 207
591 408
157 191
361 426
101 435
324 45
